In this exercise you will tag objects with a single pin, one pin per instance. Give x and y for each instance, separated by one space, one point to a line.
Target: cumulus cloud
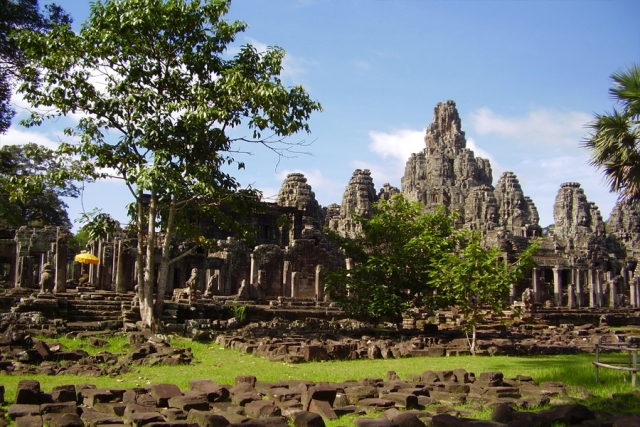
17 136
399 144
541 126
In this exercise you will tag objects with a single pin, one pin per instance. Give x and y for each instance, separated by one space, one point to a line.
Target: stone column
613 294
260 284
571 303
579 287
348 265
286 279
537 293
512 294
557 286
61 263
319 282
100 267
295 283
253 278
120 270
633 293
598 288
592 287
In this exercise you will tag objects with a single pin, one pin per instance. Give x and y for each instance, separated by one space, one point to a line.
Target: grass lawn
223 365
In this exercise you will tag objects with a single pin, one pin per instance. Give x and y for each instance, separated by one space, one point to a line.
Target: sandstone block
63 420
21 410
323 408
206 419
29 421
308 419
187 403
261 409
373 422
321 391
163 392
28 392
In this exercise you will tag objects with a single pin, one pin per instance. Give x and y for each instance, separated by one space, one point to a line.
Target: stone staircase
95 311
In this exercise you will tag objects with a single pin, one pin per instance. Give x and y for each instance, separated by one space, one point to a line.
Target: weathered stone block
308 419
206 419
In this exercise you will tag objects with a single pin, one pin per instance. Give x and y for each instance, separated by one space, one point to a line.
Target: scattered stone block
307 419
206 419
28 392
29 421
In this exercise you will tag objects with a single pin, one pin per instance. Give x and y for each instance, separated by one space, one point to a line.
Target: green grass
224 365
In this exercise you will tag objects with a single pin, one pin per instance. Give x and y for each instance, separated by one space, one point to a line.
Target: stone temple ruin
582 262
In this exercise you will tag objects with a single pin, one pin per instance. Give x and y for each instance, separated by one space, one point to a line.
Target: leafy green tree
477 279
392 260
615 138
155 73
18 15
38 203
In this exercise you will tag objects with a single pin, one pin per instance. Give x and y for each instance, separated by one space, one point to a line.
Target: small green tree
477 279
392 260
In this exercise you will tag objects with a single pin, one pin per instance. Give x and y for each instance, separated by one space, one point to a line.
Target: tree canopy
407 258
391 260
19 15
158 75
614 142
477 279
38 203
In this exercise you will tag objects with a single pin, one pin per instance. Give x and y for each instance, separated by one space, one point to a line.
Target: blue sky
527 76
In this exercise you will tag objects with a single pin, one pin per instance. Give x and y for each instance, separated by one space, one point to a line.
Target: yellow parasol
87 258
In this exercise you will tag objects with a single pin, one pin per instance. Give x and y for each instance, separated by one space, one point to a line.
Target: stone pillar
260 284
512 294
613 294
100 266
25 272
120 270
295 283
61 263
557 286
319 282
633 293
537 293
592 287
286 279
571 303
253 275
579 287
598 288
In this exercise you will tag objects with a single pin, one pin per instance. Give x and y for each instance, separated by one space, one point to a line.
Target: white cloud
399 144
541 126
17 136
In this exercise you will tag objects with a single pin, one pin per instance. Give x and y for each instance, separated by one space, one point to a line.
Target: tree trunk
140 254
163 273
473 339
146 303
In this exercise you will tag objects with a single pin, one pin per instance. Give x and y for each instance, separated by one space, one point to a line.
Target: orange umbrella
87 258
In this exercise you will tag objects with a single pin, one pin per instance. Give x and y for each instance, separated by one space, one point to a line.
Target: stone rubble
432 398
